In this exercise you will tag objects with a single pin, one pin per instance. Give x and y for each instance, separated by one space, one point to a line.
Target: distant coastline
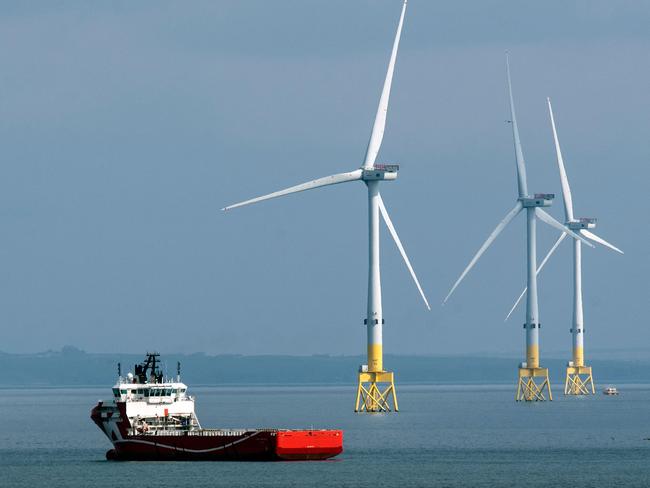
74 367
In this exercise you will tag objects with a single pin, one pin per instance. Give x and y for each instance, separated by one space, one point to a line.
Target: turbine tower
579 379
376 386
527 388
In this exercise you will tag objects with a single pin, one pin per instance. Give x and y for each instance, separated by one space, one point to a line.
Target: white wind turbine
527 388
578 378
369 396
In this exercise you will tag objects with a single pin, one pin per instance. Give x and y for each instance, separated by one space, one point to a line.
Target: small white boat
610 390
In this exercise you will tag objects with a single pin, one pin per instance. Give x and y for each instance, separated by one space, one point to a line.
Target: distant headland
71 366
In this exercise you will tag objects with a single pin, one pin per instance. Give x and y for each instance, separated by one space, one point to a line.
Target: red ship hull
214 445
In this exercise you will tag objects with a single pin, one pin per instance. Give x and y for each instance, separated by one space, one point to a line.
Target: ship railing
203 432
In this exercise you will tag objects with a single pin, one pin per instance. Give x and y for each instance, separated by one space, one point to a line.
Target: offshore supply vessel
152 418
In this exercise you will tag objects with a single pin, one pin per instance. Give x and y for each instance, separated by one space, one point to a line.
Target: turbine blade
541 266
502 225
378 127
310 185
566 189
393 232
521 165
547 219
516 303
599 240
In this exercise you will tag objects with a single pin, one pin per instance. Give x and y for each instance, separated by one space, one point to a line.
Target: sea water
475 436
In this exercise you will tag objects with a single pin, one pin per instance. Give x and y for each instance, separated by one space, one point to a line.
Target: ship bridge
126 390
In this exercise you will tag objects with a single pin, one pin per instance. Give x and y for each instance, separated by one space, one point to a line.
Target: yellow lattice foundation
529 389
376 392
579 381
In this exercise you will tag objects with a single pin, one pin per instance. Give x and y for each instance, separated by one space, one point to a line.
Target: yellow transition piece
376 392
528 388
579 381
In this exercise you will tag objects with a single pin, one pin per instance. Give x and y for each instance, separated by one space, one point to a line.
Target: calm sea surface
473 436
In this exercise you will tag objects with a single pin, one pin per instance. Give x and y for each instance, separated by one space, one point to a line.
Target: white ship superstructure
154 403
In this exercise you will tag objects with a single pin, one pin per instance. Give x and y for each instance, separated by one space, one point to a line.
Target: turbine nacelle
582 223
380 172
538 200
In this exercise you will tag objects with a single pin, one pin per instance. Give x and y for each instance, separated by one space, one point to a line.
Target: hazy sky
126 126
